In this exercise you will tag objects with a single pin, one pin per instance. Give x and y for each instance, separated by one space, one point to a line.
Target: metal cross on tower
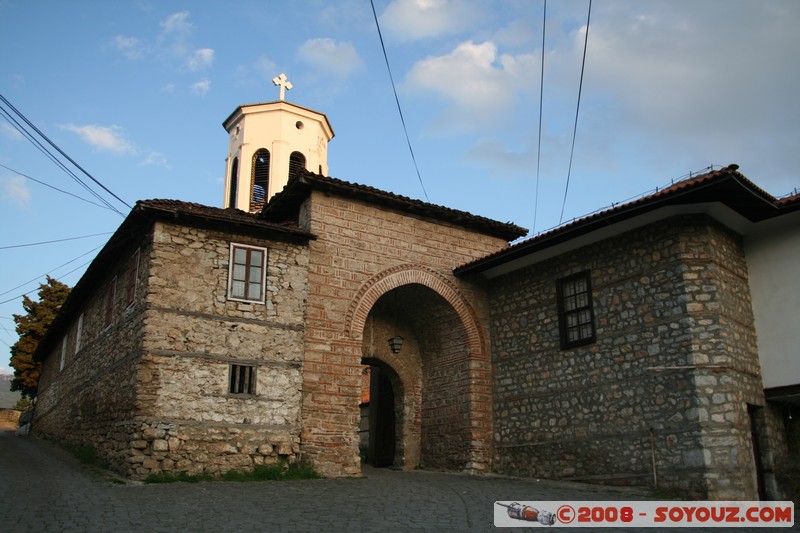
283 83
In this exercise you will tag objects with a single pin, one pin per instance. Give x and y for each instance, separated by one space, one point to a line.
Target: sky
135 91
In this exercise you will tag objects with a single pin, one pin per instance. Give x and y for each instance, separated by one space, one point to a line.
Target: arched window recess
260 190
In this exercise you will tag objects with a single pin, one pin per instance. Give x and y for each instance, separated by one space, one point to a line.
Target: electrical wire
43 149
55 241
397 100
541 100
64 154
577 110
54 188
46 273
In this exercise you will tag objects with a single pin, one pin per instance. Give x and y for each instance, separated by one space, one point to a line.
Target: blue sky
135 91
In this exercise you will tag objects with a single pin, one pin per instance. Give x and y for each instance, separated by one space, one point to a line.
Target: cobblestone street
43 488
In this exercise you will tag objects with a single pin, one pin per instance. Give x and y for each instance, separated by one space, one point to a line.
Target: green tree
31 328
23 404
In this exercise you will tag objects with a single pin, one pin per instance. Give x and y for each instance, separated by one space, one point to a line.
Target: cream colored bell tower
268 143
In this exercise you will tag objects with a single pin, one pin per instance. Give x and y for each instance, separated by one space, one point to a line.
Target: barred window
242 379
575 313
247 273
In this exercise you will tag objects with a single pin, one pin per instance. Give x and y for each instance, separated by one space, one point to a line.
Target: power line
396 99
46 273
43 149
577 109
55 241
541 100
64 154
57 279
52 187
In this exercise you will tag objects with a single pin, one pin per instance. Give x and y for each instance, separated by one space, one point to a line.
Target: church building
650 344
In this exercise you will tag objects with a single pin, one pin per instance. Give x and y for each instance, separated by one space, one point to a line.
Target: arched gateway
437 380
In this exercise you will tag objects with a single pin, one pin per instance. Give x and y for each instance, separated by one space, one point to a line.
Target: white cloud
201 59
475 81
103 138
497 155
177 24
11 132
15 190
156 159
711 85
409 20
130 47
201 87
335 59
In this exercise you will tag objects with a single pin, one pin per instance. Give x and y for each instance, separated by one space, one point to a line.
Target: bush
23 404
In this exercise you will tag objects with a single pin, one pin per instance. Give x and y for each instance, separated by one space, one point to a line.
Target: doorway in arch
418 410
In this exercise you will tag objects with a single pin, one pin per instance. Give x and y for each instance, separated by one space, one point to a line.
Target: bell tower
268 143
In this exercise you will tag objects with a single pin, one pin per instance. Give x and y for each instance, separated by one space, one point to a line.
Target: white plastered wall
773 262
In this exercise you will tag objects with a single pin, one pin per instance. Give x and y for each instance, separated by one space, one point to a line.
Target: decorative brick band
408 274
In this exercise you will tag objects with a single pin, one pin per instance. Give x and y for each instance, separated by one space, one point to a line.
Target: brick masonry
668 379
362 254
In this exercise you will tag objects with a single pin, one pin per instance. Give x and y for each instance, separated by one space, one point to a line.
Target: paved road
43 488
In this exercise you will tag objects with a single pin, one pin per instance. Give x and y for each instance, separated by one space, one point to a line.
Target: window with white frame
111 293
63 354
247 273
78 334
133 278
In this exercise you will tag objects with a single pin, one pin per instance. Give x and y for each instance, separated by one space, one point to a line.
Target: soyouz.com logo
643 514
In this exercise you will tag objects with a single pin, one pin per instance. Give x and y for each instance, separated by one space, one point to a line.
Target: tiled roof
285 205
198 212
725 185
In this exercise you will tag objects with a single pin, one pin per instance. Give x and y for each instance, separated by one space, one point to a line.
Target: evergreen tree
31 329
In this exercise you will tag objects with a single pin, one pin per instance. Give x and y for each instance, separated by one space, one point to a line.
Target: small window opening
242 379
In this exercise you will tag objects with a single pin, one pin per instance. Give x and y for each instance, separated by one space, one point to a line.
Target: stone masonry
186 419
668 380
150 391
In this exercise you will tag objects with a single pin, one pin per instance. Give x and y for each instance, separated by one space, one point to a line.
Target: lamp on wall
396 343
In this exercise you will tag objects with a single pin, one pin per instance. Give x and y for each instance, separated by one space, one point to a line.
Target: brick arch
407 274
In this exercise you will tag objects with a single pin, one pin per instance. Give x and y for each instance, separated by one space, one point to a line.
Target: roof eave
748 199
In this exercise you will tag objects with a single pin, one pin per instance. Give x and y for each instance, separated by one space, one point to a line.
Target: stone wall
668 379
363 252
9 415
187 421
91 401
